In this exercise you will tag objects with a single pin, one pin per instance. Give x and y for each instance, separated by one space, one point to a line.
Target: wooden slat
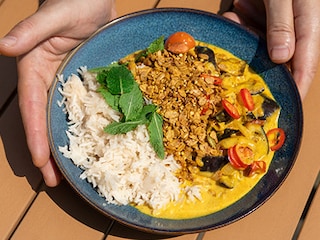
205 5
128 6
59 213
9 18
120 232
18 177
311 225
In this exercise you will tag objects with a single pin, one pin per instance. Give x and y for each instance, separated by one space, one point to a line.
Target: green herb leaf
122 93
102 78
102 73
119 80
103 69
147 111
112 100
123 127
156 134
131 103
156 45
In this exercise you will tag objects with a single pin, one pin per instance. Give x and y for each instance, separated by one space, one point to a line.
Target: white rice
123 168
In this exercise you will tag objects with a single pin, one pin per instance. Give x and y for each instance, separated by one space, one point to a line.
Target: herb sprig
123 94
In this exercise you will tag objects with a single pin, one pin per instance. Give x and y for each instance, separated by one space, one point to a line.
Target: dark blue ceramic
136 31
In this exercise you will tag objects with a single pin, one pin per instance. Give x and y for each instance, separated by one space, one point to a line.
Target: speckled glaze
136 31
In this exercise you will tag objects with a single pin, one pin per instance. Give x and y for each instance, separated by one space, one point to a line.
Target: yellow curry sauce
214 195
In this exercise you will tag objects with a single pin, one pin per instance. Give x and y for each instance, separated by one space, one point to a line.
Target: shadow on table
19 159
71 203
11 128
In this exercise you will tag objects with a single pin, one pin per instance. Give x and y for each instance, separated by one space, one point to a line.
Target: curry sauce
230 124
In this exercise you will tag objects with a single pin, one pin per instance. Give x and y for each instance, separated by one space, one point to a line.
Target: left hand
41 42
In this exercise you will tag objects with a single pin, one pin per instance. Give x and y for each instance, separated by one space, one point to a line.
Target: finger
32 103
233 16
51 174
280 30
57 18
306 58
29 33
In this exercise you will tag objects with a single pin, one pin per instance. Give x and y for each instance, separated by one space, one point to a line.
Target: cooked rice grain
123 168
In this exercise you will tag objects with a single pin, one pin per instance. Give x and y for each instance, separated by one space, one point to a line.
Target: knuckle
280 27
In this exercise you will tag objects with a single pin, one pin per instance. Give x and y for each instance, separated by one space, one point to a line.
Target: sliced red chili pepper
256 167
276 138
211 79
247 99
230 109
244 153
206 106
234 160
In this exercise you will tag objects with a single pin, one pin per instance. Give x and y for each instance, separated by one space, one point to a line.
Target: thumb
280 30
30 32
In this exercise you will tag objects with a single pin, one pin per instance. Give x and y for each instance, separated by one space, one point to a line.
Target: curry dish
220 122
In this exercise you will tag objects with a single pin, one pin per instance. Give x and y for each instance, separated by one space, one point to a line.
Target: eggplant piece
255 87
233 66
227 181
213 164
227 133
207 54
250 117
223 116
269 106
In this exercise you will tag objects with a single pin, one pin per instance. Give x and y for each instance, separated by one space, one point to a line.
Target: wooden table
30 210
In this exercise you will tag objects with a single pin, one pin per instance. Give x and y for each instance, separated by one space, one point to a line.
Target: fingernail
8 41
280 53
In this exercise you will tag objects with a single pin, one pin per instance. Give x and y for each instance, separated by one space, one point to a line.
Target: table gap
307 207
7 103
38 190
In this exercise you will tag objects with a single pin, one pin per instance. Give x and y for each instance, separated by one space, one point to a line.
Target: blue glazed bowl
136 31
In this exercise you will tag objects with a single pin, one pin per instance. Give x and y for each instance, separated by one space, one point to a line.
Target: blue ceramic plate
136 31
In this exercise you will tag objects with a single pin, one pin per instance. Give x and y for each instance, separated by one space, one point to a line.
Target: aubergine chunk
213 164
269 106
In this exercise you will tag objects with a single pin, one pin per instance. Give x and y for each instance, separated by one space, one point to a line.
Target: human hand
41 42
292 30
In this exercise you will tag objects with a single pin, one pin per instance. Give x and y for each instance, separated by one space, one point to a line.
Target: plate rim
120 19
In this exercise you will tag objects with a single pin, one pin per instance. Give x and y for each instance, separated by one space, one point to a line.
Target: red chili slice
244 153
247 99
230 109
234 161
276 138
256 167
241 156
206 106
211 79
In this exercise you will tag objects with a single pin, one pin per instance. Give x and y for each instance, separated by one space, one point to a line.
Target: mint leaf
120 80
102 78
102 73
112 100
147 111
103 69
156 45
123 127
156 134
131 103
